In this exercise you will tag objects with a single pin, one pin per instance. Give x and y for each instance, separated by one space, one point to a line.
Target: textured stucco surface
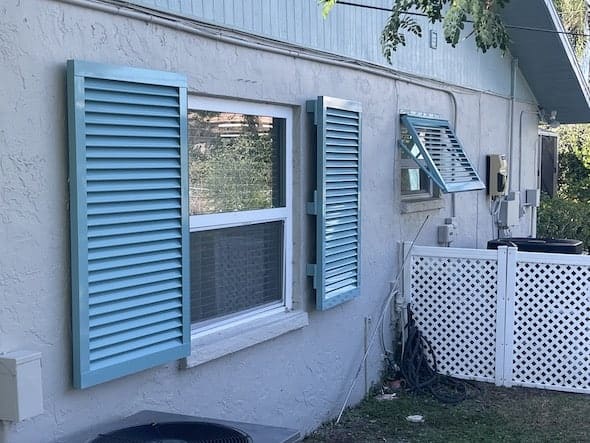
297 380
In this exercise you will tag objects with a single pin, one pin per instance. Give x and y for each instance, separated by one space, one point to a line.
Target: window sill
430 204
210 345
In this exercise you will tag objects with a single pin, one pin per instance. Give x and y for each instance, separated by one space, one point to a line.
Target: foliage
562 218
573 17
574 162
567 215
488 29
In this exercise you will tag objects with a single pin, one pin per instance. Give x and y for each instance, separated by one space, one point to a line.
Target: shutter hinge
312 206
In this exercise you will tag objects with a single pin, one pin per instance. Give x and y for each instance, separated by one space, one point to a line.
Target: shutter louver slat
440 156
109 340
140 247
115 263
125 271
337 206
132 217
137 291
129 220
140 353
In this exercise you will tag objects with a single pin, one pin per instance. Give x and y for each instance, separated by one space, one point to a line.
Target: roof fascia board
568 48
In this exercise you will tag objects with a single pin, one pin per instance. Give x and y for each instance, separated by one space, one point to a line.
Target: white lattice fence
504 316
551 328
454 299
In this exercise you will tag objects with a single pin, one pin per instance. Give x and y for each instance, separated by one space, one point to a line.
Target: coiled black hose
419 369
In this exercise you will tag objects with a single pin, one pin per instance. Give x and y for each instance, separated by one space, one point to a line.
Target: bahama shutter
129 219
336 273
438 152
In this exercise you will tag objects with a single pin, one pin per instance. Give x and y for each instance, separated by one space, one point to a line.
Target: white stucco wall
297 380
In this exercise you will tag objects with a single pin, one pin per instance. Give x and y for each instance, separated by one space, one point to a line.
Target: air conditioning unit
155 426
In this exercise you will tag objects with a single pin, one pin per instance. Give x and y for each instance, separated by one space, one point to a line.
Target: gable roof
547 60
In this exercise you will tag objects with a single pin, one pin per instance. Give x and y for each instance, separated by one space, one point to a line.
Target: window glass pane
414 180
234 269
234 161
415 153
407 140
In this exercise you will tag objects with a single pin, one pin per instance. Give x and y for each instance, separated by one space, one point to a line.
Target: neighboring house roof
547 59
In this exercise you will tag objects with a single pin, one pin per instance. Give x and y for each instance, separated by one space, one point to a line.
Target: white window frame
243 218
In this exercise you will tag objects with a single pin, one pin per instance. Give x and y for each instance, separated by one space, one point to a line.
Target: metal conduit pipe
513 68
522 113
533 224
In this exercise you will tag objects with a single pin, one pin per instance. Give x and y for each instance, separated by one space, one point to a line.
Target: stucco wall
297 380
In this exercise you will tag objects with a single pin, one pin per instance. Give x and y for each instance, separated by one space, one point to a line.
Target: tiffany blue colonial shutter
336 273
129 219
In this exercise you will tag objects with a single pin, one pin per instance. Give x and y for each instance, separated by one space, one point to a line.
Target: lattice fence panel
454 301
552 326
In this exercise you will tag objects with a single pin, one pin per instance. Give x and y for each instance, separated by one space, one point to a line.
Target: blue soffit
547 60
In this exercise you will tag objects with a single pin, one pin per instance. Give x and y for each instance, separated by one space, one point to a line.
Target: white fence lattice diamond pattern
515 318
462 293
552 325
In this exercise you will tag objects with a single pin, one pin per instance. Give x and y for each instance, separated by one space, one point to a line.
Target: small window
432 147
415 183
239 211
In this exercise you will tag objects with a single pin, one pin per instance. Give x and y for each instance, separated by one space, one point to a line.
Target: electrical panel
532 197
497 175
21 390
509 214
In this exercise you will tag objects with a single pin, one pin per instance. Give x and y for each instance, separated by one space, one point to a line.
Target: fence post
407 272
501 313
511 258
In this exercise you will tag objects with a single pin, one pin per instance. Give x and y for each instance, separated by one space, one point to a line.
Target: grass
496 415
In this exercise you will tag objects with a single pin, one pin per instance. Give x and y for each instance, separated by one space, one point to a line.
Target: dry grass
496 415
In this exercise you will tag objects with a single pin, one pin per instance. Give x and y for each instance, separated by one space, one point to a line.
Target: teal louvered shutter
337 271
438 152
129 219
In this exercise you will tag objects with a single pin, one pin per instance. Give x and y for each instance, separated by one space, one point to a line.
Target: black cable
419 14
420 371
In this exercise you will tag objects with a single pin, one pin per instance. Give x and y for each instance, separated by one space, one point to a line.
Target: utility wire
419 14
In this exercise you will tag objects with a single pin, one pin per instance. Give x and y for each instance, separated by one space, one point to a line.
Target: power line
419 14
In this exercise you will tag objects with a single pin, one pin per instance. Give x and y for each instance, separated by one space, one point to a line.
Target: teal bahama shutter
437 151
129 219
336 273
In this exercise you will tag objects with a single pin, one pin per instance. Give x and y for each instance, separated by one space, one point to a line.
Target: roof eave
547 59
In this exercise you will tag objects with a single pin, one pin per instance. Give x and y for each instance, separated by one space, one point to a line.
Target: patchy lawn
496 415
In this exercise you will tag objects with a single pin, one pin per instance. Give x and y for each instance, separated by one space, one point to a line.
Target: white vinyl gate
508 317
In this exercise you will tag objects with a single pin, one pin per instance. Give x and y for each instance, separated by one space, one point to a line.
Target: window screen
234 269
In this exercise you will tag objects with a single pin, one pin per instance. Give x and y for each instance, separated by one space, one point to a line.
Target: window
415 183
431 146
240 211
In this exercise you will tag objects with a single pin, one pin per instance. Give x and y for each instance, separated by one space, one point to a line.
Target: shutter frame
174 334
323 272
466 176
